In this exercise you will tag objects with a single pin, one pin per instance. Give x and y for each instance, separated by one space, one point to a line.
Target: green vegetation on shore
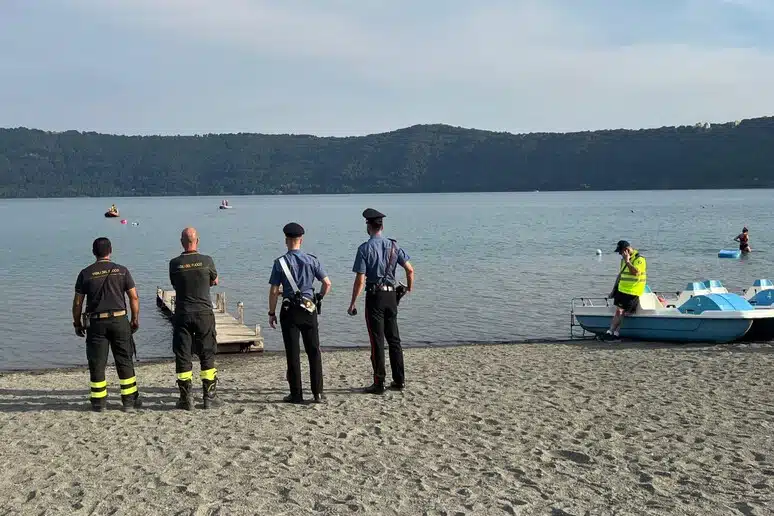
422 158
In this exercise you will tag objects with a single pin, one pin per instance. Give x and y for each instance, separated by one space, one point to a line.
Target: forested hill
423 158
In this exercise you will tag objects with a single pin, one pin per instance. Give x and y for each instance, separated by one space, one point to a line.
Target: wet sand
550 429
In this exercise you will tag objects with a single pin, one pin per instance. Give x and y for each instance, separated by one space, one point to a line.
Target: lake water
490 266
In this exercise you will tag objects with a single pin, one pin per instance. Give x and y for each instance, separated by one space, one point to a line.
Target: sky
354 67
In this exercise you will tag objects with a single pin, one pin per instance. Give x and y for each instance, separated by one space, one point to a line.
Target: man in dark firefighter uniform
104 284
192 274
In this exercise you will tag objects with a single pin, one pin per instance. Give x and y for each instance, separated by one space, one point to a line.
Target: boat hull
111 215
762 329
670 329
224 207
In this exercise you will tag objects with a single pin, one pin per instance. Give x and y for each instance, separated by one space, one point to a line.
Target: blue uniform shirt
304 268
372 257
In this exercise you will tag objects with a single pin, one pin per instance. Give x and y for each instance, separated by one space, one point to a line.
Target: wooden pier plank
231 334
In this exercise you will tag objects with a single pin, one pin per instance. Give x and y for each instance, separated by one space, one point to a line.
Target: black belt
382 288
105 315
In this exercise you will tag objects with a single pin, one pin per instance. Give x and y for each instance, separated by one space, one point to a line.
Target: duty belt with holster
382 286
298 299
376 287
106 315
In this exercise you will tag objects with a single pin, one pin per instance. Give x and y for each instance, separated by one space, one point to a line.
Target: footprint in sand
577 457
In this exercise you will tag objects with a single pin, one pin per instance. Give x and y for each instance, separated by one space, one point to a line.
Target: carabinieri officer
296 271
375 264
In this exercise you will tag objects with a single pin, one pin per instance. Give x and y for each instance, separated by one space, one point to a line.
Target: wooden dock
233 336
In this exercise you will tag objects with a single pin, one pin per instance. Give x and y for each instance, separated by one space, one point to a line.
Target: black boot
131 402
298 400
397 386
211 399
98 404
374 388
186 397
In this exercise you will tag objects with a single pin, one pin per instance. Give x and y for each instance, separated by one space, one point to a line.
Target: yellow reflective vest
628 282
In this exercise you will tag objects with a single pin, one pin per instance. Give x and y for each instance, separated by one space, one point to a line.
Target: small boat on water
224 205
112 214
703 312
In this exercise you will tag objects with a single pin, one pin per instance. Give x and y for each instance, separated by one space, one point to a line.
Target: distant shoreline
426 158
546 191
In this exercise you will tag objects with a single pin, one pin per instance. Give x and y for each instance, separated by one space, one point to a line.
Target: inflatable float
729 253
111 214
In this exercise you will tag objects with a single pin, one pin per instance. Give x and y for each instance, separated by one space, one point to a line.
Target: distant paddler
112 211
744 240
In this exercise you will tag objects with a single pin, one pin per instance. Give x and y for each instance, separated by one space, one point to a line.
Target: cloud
517 65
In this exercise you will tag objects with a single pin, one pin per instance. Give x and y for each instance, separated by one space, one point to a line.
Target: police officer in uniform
103 284
192 274
375 264
295 272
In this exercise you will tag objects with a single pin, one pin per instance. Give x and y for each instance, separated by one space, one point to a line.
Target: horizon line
697 125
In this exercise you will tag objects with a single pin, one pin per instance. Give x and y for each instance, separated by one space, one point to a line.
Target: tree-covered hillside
424 158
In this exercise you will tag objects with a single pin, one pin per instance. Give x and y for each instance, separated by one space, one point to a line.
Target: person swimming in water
744 240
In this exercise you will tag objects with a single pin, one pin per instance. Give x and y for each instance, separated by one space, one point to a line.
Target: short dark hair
376 226
101 247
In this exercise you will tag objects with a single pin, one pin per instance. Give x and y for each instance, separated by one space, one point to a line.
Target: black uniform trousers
381 314
297 322
114 334
194 334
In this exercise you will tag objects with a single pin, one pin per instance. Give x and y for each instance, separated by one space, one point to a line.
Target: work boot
186 397
319 398
298 400
211 399
397 386
98 404
374 388
131 402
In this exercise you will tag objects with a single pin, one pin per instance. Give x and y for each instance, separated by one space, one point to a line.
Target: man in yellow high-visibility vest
629 285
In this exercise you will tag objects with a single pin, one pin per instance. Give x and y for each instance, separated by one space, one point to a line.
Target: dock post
220 302
241 312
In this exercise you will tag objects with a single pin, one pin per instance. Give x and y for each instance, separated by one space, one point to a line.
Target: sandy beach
554 429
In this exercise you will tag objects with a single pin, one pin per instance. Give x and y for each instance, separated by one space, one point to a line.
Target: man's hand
273 321
79 330
626 256
352 310
135 324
